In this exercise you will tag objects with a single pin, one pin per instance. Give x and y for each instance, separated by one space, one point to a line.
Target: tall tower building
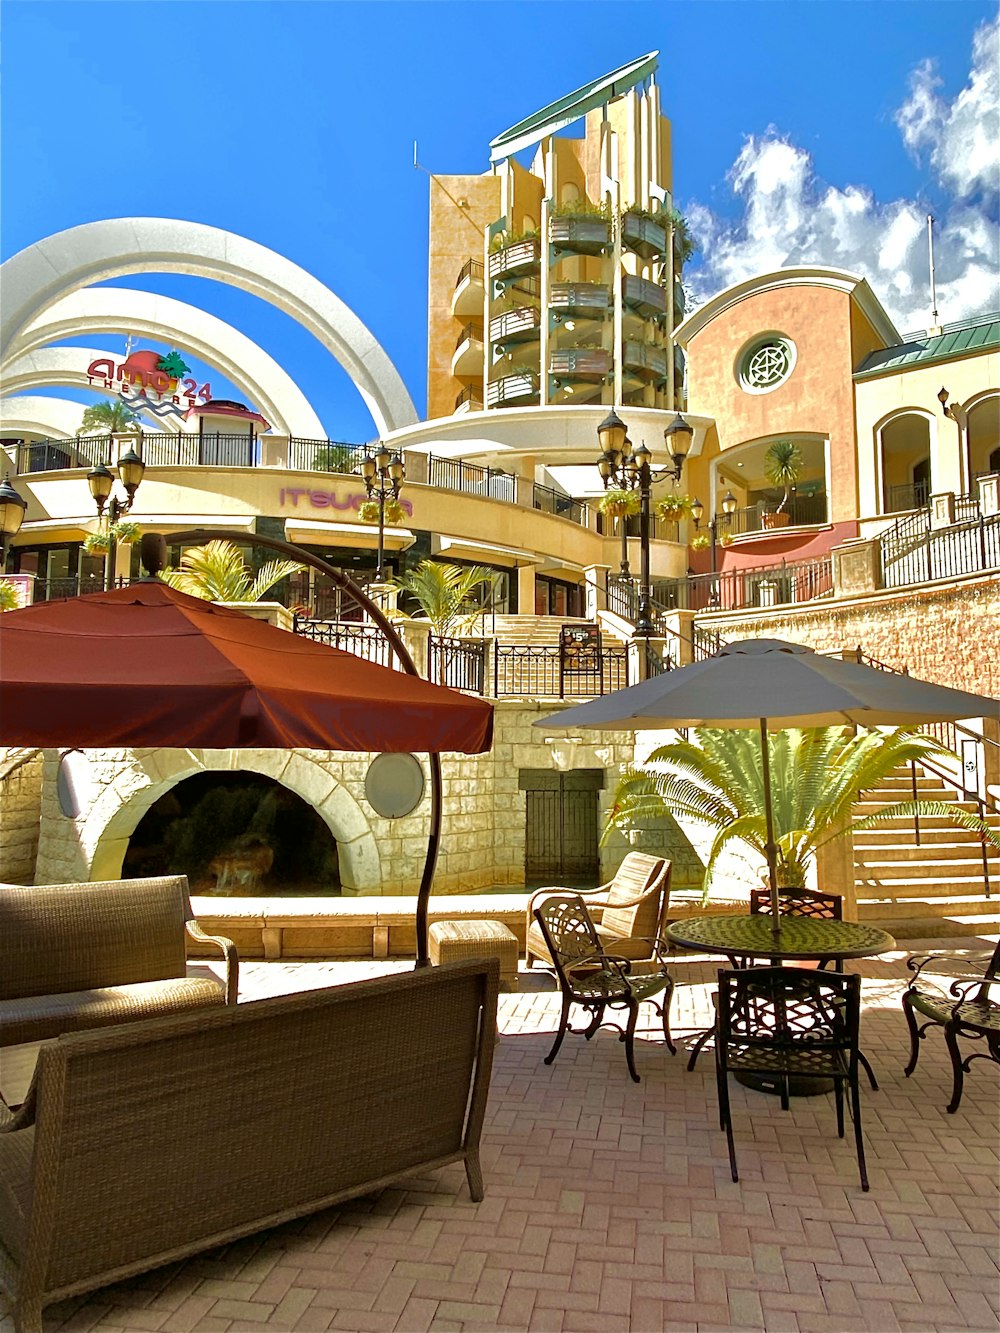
555 277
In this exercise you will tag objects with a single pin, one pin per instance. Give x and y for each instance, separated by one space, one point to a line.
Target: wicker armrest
228 948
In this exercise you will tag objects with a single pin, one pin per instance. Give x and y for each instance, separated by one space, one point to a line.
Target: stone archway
105 829
43 273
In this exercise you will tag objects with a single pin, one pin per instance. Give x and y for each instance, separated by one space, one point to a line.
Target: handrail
472 268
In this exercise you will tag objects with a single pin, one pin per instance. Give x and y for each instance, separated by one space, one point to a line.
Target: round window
766 363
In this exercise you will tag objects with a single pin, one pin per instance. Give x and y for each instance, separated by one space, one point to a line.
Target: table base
799 1085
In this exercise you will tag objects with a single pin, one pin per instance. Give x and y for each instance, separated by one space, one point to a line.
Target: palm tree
782 464
217 572
447 594
110 416
714 779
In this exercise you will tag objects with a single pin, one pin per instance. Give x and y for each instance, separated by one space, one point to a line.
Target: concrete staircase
931 889
540 631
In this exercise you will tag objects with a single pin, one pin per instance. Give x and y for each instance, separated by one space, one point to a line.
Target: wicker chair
780 1022
597 980
635 904
76 956
970 1009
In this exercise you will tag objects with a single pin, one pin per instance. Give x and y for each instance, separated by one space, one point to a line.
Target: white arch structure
66 368
37 277
123 310
56 418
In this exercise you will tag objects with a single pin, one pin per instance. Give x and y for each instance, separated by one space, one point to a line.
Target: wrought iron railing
454 474
458 663
927 554
339 456
471 332
471 394
660 529
913 495
472 268
365 641
800 511
55 455
543 672
551 501
754 586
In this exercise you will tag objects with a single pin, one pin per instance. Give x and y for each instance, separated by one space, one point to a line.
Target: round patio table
797 939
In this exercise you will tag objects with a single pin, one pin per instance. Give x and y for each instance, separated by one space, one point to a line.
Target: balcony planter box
583 235
768 521
643 235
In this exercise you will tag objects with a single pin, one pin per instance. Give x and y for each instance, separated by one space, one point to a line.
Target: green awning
557 115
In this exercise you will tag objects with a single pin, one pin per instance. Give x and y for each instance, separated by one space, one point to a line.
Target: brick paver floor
609 1205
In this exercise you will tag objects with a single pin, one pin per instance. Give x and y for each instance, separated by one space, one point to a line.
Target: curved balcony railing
516 390
580 235
645 359
521 257
644 236
471 398
644 297
474 269
471 332
580 298
515 325
580 363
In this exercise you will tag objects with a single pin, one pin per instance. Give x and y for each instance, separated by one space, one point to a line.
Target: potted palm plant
782 466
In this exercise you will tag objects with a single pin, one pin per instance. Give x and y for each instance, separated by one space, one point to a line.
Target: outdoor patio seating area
609 1204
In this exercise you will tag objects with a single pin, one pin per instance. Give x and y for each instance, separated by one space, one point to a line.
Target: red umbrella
150 666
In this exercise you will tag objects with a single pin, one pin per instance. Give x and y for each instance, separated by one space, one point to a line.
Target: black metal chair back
594 979
781 1023
798 902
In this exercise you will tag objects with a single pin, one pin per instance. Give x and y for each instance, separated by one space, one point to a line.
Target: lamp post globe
12 507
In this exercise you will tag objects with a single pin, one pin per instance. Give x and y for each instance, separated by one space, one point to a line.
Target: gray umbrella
770 684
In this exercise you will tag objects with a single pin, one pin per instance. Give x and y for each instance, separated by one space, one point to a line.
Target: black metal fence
454 474
543 672
458 663
800 511
926 554
365 641
748 588
55 455
551 501
324 455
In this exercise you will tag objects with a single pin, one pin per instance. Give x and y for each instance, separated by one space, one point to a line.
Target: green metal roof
557 115
972 335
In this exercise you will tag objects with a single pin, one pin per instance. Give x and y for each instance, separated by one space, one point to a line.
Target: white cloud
790 217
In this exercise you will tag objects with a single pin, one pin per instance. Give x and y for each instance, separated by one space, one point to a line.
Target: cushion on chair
32 1017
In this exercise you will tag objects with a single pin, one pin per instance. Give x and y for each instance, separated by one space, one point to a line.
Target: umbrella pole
427 878
770 846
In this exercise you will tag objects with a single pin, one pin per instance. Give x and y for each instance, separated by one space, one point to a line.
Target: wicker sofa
78 956
140 1144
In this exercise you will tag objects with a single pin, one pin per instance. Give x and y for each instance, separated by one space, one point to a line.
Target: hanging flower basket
97 543
126 533
618 504
672 508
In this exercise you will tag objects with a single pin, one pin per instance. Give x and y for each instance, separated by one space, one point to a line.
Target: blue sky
803 131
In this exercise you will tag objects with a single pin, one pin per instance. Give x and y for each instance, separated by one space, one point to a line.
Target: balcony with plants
514 254
644 232
644 298
580 228
585 299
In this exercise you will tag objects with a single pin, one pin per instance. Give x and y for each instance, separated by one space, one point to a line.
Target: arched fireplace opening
236 834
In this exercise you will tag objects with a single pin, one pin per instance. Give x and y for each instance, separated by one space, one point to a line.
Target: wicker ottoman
448 941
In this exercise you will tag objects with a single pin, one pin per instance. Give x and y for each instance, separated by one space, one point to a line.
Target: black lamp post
729 506
629 469
12 507
383 474
101 481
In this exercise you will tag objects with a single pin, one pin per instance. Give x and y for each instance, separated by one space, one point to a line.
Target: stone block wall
20 808
946 633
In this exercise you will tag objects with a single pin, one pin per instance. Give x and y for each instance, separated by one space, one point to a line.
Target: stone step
917 902
942 867
935 927
863 808
883 837
868 881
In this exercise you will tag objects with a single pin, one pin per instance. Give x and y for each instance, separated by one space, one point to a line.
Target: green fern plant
714 779
217 572
618 504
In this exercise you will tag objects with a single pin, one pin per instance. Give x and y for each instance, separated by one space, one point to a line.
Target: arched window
905 447
983 427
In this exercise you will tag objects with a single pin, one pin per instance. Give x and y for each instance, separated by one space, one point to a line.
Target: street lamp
729 506
12 507
629 469
383 474
101 481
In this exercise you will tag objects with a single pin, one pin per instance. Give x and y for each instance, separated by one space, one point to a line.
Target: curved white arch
66 368
56 418
124 310
36 277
